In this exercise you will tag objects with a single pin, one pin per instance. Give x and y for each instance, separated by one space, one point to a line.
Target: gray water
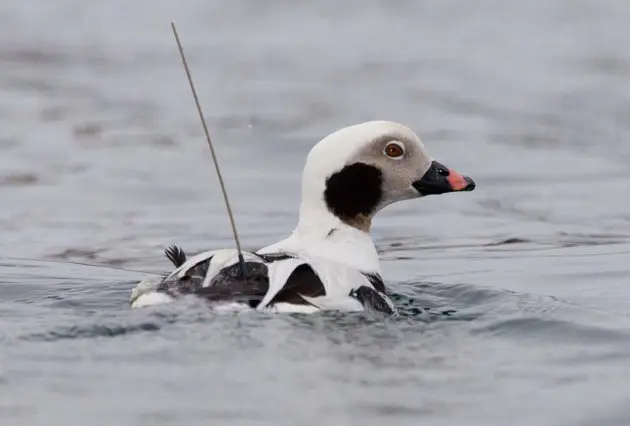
514 297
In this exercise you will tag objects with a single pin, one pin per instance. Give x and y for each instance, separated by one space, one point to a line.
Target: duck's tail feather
176 255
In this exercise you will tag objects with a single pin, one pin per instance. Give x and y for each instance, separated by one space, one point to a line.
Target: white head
353 173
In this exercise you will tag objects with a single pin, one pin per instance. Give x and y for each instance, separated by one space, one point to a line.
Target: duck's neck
316 219
327 236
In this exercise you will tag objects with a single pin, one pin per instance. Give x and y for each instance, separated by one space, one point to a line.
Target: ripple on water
490 312
19 179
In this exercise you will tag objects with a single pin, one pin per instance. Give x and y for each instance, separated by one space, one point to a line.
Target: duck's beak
439 179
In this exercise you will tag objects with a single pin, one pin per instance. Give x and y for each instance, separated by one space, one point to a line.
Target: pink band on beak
456 180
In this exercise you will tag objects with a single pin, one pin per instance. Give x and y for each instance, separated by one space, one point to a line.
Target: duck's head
356 171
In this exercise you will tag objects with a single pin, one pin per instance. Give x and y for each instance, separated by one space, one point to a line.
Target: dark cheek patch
354 190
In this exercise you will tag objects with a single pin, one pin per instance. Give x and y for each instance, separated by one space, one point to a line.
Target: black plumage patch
303 281
354 190
176 255
228 285
187 284
372 300
376 281
274 257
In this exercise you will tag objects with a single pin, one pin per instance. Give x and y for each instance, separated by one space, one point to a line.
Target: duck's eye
442 171
394 150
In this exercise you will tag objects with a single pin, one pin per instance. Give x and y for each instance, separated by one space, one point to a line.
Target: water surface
514 297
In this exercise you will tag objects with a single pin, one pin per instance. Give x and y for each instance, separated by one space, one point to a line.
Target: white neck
315 218
321 235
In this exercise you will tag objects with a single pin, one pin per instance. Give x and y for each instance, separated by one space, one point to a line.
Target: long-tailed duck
329 261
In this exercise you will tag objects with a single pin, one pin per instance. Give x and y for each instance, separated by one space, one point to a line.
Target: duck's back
276 281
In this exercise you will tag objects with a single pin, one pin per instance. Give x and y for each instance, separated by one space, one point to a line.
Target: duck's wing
228 285
187 276
215 276
292 281
274 279
193 276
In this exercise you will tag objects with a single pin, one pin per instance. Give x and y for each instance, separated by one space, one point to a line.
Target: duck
329 261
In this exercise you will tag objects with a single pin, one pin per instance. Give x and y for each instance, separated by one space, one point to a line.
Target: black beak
439 179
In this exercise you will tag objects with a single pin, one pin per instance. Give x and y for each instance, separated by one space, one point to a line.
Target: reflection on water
514 297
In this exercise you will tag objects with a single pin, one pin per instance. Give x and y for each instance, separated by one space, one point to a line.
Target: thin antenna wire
214 156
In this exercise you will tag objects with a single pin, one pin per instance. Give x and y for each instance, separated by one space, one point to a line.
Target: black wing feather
229 286
303 281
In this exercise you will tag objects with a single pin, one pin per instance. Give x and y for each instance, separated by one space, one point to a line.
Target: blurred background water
103 164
